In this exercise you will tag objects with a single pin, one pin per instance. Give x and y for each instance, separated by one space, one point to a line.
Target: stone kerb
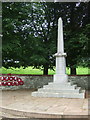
37 81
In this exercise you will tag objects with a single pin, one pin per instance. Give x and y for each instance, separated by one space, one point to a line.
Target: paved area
21 103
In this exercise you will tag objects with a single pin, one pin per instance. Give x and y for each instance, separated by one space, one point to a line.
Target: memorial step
61 95
60 90
77 90
53 83
61 87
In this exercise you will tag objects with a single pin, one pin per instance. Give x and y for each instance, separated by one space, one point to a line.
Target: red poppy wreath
10 81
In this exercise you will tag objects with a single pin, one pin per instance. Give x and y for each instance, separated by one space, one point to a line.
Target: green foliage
30 33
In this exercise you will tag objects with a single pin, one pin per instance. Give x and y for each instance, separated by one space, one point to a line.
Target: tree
28 35
33 28
76 40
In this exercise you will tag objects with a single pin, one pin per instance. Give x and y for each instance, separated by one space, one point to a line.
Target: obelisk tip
60 19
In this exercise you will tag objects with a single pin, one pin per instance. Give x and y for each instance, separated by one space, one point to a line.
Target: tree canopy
30 34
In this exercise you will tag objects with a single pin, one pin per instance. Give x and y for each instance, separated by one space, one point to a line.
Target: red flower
9 83
11 78
12 83
21 83
7 78
3 78
15 78
19 79
4 83
16 83
0 83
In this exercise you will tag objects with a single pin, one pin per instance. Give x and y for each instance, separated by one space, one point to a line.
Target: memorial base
65 90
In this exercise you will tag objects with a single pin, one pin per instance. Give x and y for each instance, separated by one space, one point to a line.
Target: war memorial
59 99
60 87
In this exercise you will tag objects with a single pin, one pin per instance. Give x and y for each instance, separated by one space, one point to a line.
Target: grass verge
30 70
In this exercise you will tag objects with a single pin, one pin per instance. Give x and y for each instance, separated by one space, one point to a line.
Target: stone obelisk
60 87
60 75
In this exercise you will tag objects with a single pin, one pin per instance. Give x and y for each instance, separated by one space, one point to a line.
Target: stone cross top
60 75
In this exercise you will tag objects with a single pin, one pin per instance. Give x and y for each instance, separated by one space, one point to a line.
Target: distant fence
37 81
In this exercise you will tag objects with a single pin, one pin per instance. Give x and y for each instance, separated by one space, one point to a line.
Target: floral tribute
10 81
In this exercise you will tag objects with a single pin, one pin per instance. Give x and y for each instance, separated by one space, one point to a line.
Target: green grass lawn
30 70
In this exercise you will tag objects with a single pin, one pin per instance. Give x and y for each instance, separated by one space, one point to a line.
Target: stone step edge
39 114
51 88
54 92
50 83
78 89
58 95
59 91
64 85
21 113
58 87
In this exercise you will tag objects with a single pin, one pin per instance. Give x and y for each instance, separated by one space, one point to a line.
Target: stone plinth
60 76
65 90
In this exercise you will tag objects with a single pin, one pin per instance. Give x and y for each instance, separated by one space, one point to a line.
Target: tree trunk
73 70
45 71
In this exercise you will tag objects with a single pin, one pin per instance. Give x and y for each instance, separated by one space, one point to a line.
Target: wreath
10 80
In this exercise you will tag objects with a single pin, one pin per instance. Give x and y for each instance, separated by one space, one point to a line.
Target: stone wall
37 81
